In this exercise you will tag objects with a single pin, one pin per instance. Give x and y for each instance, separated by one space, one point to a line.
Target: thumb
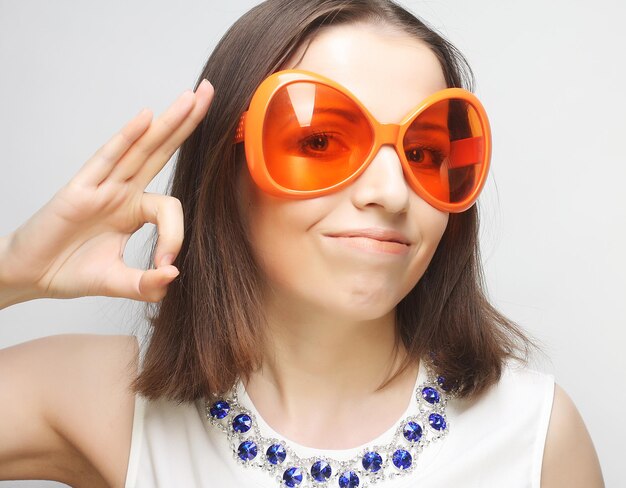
154 282
142 285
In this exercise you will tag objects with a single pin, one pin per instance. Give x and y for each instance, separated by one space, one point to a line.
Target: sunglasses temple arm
239 133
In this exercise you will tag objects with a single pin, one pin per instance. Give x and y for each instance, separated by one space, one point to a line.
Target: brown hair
208 330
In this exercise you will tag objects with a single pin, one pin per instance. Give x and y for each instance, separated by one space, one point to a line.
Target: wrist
11 293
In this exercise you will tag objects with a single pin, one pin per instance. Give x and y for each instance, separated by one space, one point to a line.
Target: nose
382 184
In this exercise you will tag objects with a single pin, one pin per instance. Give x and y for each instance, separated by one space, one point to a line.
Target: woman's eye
317 142
322 145
425 156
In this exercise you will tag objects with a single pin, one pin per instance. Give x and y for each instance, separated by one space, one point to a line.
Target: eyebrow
346 114
352 117
429 127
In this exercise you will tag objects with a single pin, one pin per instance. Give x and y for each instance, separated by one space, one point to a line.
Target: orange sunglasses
306 136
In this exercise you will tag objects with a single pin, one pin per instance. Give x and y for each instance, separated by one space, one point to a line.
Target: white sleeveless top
494 441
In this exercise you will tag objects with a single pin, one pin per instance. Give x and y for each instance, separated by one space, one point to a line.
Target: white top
494 441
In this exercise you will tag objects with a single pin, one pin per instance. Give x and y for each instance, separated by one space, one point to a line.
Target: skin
57 423
331 323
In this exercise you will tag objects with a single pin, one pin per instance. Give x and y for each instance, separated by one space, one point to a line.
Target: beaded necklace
427 423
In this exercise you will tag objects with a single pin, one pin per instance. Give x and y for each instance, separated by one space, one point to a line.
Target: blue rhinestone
437 421
242 423
276 454
219 409
321 471
412 431
349 479
431 395
292 477
445 386
402 459
372 461
247 450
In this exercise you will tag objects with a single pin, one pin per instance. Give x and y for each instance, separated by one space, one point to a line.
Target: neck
342 356
328 369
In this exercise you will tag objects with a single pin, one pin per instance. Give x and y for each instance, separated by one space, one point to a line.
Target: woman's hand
73 246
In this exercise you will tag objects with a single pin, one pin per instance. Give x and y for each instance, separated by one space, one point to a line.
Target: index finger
161 154
98 167
158 132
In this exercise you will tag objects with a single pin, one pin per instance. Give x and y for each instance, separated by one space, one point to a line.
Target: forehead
390 72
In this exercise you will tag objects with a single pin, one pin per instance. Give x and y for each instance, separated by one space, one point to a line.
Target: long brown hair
208 330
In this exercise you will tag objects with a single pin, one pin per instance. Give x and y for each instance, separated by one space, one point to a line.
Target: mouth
373 240
382 235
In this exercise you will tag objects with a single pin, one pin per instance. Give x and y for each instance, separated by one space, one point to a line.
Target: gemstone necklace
426 424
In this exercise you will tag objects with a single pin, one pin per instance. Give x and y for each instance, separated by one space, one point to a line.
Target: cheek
431 225
434 225
427 223
278 229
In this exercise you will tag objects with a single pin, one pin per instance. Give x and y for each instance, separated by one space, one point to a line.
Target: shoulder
564 450
79 385
86 347
76 364
92 377
522 388
517 373
569 456
510 418
94 363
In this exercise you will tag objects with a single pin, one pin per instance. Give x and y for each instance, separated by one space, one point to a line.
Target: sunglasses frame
250 131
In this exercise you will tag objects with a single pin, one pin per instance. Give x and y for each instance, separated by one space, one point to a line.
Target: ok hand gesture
73 246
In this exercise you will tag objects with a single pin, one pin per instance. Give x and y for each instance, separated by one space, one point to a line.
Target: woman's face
338 254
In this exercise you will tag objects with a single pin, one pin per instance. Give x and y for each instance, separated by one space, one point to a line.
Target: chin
362 308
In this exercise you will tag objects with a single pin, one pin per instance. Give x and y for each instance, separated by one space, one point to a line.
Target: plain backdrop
550 74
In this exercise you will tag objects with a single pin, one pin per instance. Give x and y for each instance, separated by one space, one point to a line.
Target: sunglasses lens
445 148
314 137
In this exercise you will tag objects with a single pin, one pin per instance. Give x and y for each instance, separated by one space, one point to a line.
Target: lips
384 235
373 241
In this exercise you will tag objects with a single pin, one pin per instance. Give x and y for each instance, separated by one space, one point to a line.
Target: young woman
321 320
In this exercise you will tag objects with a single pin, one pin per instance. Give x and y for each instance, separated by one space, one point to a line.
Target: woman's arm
11 294
569 458
66 409
66 405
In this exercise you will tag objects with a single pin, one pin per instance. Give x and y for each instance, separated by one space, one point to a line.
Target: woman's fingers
159 131
146 286
166 213
151 285
105 190
162 154
151 152
100 165
144 147
154 282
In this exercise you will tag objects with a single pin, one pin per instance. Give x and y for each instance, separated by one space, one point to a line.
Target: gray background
549 73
